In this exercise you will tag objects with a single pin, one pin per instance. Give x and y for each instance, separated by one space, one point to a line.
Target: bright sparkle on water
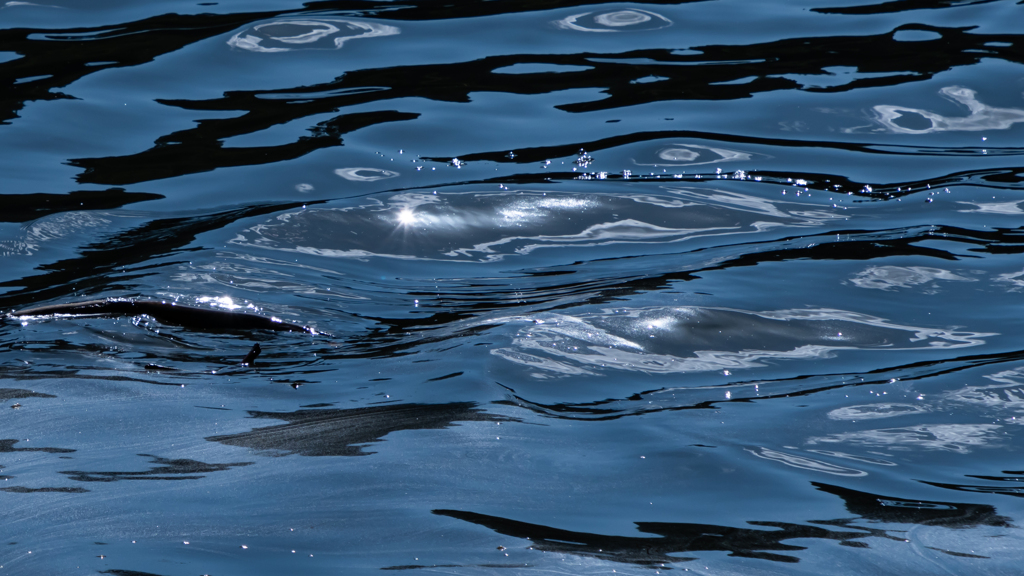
406 217
220 302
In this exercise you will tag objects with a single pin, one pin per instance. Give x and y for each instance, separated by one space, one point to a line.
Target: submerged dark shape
128 573
678 537
342 432
899 6
671 538
190 317
27 490
901 510
166 469
250 358
17 393
7 445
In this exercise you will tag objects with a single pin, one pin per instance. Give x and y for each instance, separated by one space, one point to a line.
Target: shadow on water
334 432
765 544
899 6
27 207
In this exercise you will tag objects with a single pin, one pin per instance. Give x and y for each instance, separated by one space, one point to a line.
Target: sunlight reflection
406 217
224 302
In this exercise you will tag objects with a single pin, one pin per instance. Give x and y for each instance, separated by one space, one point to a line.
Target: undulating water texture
344 287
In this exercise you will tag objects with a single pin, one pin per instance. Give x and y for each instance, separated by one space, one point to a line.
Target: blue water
728 287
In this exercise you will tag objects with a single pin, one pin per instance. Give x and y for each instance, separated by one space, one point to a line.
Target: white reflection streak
365 174
49 228
702 361
606 233
614 20
577 340
891 277
1015 278
874 411
995 207
685 155
805 463
940 338
741 202
958 438
319 29
846 456
982 116
1007 394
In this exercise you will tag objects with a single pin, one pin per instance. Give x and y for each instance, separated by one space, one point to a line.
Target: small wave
487 227
632 20
50 228
320 34
681 340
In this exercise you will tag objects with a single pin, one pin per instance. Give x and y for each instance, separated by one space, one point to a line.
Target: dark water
728 287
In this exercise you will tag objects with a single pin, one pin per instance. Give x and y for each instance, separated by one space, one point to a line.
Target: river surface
730 287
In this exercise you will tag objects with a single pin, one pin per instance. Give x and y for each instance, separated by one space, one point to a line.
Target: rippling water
731 287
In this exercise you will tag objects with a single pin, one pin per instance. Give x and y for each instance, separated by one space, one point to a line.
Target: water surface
722 286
